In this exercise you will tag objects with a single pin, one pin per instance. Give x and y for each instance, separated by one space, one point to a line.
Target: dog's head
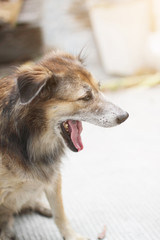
69 94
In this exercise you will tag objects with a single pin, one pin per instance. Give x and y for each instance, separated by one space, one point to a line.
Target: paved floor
115 179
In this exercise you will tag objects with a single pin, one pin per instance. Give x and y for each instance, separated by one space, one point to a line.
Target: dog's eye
87 97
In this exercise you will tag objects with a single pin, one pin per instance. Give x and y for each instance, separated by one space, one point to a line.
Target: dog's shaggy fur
41 107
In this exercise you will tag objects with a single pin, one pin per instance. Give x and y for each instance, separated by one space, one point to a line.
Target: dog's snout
121 118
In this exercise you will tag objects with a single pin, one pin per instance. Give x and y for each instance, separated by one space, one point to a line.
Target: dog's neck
24 134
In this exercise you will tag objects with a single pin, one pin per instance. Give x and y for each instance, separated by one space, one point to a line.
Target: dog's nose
121 118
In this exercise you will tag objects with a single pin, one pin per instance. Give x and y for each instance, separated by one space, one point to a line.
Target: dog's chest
16 191
14 194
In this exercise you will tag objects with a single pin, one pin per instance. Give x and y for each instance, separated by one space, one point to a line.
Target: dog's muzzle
103 113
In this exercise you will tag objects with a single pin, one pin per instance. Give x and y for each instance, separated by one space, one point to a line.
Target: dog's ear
30 81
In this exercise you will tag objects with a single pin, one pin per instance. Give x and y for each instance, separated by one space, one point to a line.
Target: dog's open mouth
71 132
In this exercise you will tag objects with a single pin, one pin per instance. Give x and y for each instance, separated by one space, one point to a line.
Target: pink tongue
76 129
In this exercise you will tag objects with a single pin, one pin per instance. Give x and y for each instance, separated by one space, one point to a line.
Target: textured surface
114 180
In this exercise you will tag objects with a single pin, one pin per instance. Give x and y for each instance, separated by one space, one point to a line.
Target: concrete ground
114 181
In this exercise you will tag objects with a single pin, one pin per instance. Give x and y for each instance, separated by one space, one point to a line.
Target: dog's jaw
70 131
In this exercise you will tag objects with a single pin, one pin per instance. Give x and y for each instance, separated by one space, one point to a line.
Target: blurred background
114 181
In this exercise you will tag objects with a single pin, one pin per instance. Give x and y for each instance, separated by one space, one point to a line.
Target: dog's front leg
55 200
6 221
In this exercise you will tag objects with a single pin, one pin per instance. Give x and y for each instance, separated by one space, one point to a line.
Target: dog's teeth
66 126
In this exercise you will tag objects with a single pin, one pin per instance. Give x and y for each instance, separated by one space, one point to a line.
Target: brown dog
41 109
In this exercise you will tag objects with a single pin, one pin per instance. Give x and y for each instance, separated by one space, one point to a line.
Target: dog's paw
43 210
38 207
